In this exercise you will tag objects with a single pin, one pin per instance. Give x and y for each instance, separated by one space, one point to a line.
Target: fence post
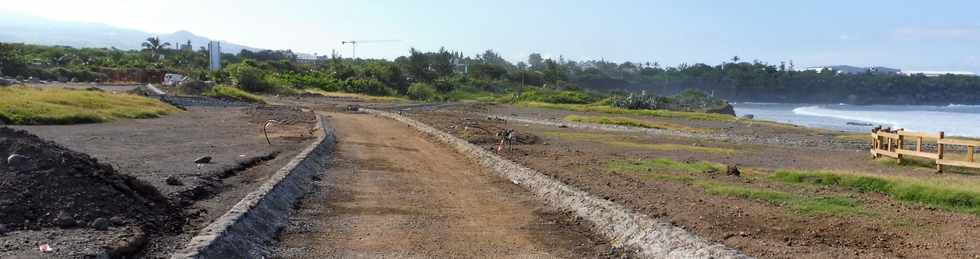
969 153
939 167
874 145
918 144
898 146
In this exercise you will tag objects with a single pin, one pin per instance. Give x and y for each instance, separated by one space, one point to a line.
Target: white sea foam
915 118
856 116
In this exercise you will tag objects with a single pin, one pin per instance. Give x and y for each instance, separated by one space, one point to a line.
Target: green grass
665 164
35 106
232 93
631 122
665 169
950 193
831 205
358 96
623 141
614 110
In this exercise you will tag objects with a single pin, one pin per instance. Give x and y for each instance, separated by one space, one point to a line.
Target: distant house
851 70
938 73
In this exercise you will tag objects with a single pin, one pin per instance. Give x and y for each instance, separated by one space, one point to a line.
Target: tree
10 62
535 61
154 46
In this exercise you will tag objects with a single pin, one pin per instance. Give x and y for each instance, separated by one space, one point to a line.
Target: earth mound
44 185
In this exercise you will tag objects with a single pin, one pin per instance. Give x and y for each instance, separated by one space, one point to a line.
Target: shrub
248 77
369 86
422 91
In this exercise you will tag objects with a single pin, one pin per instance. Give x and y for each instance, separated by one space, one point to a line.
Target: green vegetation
666 169
630 122
572 82
614 110
947 194
232 93
798 203
624 141
665 164
31 106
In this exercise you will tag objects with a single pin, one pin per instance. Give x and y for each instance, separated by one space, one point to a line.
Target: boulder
203 160
100 224
733 170
172 180
726 109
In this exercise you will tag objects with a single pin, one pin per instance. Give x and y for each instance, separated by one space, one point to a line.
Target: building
938 73
851 70
214 54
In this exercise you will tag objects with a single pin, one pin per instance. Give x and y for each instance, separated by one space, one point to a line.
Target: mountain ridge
19 28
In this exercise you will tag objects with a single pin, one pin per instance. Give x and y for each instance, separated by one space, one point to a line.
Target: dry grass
358 96
631 122
36 106
632 142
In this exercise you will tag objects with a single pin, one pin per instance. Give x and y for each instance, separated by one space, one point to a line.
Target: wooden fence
893 144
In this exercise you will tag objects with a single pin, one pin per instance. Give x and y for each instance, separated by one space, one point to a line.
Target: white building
938 73
214 53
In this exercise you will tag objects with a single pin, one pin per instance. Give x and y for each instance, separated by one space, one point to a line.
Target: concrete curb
649 237
249 228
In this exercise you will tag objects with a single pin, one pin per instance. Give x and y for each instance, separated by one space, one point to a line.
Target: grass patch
666 169
622 141
630 122
36 106
805 205
358 96
664 164
232 93
854 137
950 194
614 110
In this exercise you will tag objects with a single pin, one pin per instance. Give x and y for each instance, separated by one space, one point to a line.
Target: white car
173 79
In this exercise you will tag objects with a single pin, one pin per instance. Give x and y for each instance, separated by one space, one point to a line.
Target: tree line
446 75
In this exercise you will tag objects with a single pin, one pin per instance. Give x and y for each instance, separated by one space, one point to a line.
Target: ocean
954 119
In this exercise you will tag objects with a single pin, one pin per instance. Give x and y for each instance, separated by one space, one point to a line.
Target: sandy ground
394 194
154 150
886 228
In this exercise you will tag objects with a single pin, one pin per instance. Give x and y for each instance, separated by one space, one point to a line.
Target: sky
910 35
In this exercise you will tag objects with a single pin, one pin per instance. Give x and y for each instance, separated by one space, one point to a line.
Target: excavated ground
391 193
161 153
879 226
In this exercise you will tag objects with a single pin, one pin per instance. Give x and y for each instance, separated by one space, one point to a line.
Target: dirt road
393 193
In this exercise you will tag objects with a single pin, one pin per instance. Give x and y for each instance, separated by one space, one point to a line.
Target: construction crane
354 43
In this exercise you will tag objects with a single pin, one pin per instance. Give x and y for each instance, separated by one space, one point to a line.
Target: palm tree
154 46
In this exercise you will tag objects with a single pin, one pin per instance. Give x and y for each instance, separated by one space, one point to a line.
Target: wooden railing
892 144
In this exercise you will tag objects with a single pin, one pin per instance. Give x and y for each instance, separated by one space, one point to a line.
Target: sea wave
953 105
858 116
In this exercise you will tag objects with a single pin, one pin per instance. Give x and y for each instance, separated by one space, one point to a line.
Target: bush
369 86
248 77
563 97
422 92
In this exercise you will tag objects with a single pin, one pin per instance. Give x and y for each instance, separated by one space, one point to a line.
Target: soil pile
44 185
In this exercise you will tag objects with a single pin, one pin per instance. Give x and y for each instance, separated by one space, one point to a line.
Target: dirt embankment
46 186
161 153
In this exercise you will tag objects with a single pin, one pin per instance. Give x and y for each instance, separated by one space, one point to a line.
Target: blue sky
934 35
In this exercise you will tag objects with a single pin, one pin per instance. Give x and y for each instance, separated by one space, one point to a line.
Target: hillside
35 30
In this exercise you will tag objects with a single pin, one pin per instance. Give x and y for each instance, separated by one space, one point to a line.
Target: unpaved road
394 193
